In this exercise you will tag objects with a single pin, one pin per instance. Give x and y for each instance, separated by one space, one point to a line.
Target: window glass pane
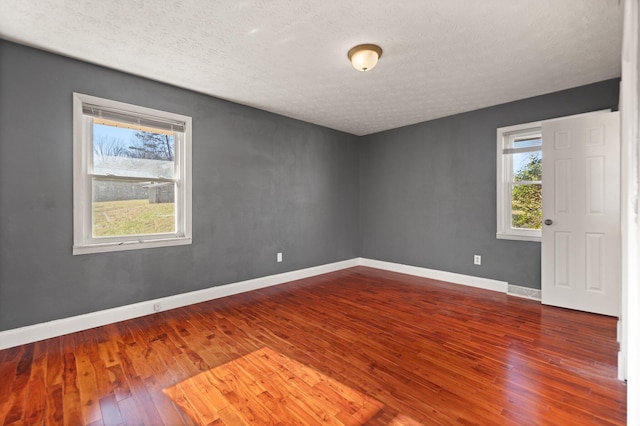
527 141
526 206
122 151
527 166
121 208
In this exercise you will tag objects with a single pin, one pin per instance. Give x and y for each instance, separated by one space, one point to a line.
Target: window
132 176
519 182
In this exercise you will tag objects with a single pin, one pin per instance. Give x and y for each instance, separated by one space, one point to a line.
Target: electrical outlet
477 259
279 257
157 307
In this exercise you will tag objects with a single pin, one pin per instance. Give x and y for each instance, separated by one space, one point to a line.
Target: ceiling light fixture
364 56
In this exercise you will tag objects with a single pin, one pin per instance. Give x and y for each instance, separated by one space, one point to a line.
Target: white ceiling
441 57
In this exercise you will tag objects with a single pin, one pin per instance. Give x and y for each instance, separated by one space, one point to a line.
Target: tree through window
519 190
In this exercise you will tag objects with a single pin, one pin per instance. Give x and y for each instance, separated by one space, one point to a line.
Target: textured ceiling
440 57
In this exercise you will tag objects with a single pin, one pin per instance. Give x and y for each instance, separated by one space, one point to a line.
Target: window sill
129 245
518 237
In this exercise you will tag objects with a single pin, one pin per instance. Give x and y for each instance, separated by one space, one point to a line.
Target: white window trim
503 189
504 230
83 243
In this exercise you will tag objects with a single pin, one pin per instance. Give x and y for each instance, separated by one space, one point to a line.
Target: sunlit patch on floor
265 387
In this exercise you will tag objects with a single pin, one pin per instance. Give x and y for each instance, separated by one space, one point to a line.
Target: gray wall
428 191
262 183
422 195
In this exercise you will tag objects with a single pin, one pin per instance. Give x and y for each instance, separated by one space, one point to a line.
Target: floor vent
526 292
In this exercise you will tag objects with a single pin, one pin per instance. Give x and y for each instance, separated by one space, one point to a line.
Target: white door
581 213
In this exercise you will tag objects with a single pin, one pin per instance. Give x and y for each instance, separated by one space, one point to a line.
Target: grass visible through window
132 217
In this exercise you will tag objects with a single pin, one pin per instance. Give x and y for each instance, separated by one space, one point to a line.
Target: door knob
548 222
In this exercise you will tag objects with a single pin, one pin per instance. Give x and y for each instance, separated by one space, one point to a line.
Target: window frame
83 240
504 175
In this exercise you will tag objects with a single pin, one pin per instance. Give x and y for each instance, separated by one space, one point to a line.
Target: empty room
301 213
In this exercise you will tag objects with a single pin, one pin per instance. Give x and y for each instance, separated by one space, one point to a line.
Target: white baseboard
36 332
622 366
622 360
468 280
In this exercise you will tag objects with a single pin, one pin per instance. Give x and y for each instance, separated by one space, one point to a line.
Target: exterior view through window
132 176
519 182
133 186
526 186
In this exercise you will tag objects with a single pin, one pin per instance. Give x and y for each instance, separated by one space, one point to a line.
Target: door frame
629 329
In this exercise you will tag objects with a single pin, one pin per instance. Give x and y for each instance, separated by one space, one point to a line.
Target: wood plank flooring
429 352
265 387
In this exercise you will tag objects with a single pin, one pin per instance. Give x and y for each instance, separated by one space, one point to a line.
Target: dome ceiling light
364 56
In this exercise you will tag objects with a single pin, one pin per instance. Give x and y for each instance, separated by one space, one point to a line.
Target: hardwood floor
265 387
429 352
